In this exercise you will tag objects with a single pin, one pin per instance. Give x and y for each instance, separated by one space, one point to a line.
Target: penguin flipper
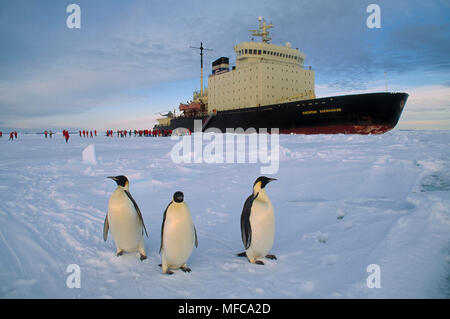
196 240
138 211
162 227
246 229
105 228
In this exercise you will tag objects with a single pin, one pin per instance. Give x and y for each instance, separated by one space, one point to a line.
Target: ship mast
201 48
262 30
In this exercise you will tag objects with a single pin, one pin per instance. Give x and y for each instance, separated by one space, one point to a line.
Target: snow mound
89 155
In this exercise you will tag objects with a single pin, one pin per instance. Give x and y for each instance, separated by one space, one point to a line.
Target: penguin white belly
262 223
178 238
124 222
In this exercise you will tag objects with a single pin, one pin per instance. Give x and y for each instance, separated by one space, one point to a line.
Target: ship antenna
262 30
201 48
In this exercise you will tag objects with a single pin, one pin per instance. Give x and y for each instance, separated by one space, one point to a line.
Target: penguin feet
243 254
166 270
185 268
143 257
272 257
259 262
119 253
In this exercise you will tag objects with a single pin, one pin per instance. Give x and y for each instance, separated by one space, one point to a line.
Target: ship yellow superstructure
264 74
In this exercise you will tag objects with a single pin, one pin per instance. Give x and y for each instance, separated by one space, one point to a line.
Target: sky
132 59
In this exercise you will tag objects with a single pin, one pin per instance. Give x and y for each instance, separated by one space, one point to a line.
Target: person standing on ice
11 136
1 133
15 134
45 133
66 135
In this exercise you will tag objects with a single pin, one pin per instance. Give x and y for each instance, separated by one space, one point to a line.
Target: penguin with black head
178 235
125 220
258 223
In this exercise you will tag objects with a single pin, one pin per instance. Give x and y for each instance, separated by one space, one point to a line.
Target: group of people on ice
12 135
46 133
90 133
146 133
86 133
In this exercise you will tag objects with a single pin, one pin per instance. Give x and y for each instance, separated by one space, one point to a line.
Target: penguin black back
122 180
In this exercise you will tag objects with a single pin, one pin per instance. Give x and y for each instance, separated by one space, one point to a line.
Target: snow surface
342 203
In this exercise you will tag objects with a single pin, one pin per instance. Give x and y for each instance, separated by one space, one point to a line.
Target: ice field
342 203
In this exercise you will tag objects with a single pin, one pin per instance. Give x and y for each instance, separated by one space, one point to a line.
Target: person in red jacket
45 133
91 134
15 134
1 133
95 132
11 136
66 135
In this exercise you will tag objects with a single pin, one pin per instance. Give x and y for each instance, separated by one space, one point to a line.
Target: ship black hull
372 113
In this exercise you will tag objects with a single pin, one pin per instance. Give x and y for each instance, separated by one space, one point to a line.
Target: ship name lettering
338 109
309 112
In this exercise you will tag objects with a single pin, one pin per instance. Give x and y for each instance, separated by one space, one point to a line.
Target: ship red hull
341 129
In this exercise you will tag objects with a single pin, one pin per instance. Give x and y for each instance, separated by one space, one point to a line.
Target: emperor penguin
125 220
258 223
178 235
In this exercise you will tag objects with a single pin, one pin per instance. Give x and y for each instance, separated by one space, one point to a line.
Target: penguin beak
113 178
271 179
